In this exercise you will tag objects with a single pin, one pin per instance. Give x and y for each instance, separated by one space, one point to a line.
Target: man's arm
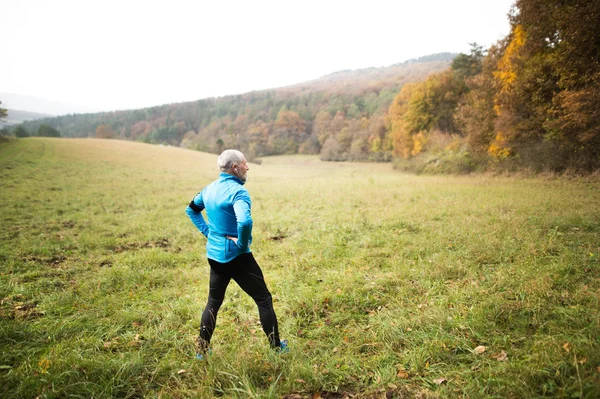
194 212
244 223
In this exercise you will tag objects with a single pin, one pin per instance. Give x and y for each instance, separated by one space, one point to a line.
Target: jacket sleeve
241 207
194 212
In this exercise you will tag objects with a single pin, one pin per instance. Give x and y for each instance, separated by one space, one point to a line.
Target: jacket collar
226 176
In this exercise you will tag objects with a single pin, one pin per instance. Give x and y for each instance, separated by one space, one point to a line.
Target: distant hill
41 105
342 113
358 79
17 116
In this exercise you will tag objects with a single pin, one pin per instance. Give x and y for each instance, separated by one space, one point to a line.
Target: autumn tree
423 107
475 116
105 132
399 131
566 37
289 130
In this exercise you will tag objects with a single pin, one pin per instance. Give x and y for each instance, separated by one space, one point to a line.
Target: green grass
383 282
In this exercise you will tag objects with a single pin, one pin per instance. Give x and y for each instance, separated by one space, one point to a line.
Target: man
229 235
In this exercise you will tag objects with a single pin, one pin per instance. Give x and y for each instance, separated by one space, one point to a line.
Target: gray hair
228 158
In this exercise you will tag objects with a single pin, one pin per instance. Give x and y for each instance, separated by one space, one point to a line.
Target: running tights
247 274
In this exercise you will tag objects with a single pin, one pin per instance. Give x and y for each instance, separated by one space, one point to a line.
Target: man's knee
214 303
264 301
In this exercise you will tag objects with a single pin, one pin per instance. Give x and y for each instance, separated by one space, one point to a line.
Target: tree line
343 113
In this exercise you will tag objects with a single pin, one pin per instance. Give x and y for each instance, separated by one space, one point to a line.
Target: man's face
240 170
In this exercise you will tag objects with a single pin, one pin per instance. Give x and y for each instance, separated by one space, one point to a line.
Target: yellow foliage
506 72
420 140
376 145
401 138
499 147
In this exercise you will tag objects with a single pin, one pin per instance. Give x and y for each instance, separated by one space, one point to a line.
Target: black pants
247 274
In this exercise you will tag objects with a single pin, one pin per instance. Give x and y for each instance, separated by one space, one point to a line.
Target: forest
529 102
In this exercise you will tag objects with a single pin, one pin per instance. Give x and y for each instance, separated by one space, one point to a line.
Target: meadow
387 285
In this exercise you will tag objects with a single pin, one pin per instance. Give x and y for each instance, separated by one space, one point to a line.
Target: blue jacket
227 204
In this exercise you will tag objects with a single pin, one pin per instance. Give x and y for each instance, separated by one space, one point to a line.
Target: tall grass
384 283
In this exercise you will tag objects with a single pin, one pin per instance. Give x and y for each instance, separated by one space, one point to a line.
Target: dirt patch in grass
132 246
53 260
11 308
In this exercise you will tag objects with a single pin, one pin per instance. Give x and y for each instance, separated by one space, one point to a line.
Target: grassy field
386 285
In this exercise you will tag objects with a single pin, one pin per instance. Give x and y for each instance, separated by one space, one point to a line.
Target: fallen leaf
583 360
567 347
440 381
392 386
301 381
501 357
403 374
598 369
107 344
479 350
182 371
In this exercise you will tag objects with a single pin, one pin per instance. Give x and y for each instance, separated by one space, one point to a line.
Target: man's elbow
246 223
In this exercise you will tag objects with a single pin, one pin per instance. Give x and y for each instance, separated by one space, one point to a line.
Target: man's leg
216 293
247 273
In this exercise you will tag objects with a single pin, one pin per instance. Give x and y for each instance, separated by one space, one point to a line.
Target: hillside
436 287
359 79
294 119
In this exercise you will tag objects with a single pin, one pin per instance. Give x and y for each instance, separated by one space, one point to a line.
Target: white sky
124 54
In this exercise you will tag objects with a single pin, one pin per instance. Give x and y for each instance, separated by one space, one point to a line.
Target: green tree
20 131
47 131
469 65
3 112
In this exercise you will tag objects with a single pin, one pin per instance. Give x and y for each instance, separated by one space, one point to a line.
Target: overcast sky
124 54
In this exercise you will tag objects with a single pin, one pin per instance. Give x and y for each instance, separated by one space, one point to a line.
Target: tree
469 65
475 115
105 132
289 130
3 112
47 131
399 133
548 86
20 131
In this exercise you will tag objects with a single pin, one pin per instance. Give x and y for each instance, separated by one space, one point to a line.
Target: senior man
229 235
